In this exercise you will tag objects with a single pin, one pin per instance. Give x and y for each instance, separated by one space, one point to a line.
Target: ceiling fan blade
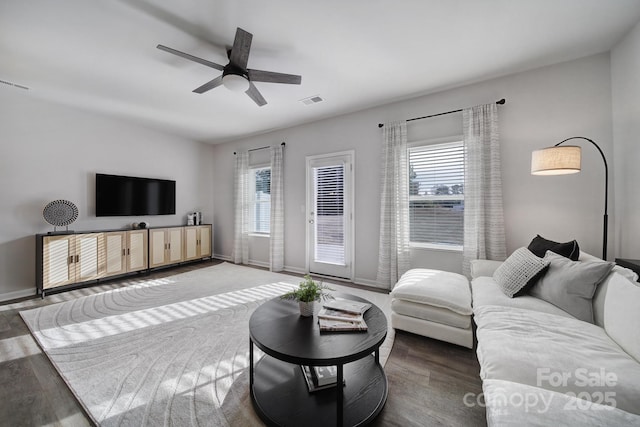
241 46
255 95
209 85
271 77
191 57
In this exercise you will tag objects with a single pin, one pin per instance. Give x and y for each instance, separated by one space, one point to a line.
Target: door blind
329 214
436 193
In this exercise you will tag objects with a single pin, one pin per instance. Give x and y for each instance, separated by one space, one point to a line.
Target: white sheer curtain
240 254
393 255
484 236
276 245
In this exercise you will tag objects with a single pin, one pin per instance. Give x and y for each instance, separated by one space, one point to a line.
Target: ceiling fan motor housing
235 79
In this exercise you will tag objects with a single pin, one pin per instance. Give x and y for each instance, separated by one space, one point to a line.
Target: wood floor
428 379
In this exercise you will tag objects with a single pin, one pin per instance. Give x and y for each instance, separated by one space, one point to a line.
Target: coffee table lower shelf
281 398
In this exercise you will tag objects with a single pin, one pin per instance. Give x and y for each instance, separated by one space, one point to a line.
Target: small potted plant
307 293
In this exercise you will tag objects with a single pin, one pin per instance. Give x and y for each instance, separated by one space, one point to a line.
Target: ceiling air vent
13 84
312 100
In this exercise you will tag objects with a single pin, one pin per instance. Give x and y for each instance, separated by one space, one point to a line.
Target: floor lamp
560 160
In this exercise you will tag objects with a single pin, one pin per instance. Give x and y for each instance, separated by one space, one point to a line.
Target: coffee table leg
339 395
250 365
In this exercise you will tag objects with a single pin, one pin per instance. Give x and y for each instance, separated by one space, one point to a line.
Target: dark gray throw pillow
539 246
570 285
517 271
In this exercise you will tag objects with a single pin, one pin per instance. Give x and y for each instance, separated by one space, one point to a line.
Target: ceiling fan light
235 82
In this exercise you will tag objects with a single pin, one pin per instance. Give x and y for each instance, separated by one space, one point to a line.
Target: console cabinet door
115 253
191 243
205 241
165 246
174 240
89 256
157 247
57 266
197 242
72 258
137 250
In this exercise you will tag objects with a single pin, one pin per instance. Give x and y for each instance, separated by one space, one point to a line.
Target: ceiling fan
235 75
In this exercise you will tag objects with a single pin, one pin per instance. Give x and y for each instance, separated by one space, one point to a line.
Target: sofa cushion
570 285
513 404
622 314
539 246
601 292
518 271
431 313
483 267
541 349
434 287
485 291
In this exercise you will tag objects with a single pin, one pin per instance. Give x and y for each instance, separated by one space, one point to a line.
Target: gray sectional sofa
542 366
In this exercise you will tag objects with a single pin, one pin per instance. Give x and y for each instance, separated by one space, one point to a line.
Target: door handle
311 221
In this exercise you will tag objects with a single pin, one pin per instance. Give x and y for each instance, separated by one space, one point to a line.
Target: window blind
261 200
436 193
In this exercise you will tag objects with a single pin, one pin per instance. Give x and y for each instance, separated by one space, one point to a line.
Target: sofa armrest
483 267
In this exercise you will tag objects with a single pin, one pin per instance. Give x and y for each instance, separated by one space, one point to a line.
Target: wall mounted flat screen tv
132 196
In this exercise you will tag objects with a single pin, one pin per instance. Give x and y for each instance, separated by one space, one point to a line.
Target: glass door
329 211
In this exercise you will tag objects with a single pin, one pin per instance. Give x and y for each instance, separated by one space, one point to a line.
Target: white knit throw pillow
521 268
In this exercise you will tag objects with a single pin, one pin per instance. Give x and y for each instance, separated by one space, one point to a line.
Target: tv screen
131 196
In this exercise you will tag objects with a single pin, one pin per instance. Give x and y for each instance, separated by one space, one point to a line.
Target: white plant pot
306 308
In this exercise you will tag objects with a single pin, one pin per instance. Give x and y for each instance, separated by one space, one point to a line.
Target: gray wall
50 152
543 107
625 69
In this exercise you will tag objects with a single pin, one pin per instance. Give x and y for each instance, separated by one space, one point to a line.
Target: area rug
170 351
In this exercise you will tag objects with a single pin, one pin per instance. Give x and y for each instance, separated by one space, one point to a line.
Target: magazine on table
347 305
332 325
330 313
324 375
312 384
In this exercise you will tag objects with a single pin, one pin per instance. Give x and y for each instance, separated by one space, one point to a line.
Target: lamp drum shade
558 160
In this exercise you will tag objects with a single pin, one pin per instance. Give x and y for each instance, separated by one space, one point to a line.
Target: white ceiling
101 55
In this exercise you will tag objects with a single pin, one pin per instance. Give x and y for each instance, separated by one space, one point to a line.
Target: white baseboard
298 270
258 263
222 257
367 282
17 294
252 262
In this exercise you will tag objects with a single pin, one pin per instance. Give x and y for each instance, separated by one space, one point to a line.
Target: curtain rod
260 148
500 102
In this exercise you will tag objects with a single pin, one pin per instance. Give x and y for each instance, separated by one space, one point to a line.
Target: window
260 200
436 195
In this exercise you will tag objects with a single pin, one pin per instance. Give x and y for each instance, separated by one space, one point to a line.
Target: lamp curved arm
606 190
606 167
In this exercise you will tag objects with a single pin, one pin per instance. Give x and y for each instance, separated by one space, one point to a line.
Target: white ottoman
435 304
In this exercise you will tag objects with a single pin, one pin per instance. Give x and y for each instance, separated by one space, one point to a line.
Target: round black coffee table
278 389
